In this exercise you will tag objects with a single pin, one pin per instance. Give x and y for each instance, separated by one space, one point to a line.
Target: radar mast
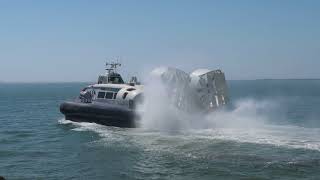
111 67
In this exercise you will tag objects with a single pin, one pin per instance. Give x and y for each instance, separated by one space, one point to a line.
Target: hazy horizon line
57 82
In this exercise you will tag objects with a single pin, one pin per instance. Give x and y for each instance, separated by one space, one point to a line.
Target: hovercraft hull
105 114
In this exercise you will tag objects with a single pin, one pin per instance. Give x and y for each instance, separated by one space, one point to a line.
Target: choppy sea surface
271 130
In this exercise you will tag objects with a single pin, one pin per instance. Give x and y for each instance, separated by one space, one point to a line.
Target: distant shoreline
293 79
3 82
57 82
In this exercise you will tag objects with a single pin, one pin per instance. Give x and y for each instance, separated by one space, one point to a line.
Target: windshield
115 80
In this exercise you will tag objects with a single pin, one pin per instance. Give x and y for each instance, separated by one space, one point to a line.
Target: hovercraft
112 102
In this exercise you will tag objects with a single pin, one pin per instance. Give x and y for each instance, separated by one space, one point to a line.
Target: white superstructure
201 90
113 90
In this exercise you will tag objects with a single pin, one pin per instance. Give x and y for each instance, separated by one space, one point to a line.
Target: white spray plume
158 109
247 113
160 113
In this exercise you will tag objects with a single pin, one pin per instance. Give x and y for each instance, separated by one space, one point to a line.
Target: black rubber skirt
105 114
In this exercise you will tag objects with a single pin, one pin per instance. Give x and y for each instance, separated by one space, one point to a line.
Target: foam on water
247 128
286 136
216 144
85 126
248 121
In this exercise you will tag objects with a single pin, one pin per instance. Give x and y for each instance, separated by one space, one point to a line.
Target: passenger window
131 89
124 95
109 95
115 95
101 94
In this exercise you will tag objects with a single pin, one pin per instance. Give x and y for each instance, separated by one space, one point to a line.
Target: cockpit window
109 95
101 94
115 80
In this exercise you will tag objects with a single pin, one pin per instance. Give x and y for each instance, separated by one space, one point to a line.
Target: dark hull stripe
109 115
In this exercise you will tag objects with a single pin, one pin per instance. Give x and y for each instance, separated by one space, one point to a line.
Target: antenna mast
111 67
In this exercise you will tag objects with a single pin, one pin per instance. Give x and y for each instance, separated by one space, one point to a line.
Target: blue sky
70 40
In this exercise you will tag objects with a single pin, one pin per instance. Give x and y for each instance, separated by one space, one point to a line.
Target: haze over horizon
63 41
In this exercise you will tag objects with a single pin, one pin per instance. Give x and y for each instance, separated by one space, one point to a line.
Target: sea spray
161 110
246 113
248 120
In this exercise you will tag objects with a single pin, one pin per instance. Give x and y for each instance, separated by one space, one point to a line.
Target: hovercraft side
105 114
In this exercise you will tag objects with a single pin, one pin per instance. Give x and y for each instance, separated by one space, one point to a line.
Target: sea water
270 130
